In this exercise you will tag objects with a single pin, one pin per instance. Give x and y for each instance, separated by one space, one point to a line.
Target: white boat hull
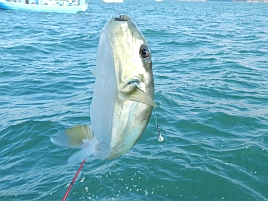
42 8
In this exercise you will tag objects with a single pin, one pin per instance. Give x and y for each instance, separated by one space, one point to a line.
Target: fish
123 95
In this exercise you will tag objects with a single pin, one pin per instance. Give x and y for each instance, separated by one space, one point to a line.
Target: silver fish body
123 95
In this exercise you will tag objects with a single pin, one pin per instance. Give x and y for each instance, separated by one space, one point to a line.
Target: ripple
210 69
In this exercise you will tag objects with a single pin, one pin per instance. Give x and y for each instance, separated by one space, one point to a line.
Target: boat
113 1
59 6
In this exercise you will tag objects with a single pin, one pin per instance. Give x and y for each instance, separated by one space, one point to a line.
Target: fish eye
144 51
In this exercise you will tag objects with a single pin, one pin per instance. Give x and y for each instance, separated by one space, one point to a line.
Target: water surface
211 83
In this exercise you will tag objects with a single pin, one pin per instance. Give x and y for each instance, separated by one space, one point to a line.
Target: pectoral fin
76 137
137 95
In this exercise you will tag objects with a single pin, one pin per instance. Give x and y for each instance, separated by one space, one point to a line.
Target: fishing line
131 4
115 8
160 137
72 183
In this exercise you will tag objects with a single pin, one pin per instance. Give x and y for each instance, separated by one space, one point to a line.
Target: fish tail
77 137
82 154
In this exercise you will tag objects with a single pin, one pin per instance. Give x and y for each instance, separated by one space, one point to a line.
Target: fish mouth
122 18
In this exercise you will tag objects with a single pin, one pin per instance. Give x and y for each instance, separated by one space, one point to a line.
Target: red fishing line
72 183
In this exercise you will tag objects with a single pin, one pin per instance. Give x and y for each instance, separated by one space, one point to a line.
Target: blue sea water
210 62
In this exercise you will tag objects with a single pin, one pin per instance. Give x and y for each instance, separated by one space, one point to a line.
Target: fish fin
137 95
80 155
76 137
93 70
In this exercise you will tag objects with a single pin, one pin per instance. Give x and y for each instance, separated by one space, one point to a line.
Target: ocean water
210 62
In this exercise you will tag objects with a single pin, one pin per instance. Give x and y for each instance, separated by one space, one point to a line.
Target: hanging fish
123 95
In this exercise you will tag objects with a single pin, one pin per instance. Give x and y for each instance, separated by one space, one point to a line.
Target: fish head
131 56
